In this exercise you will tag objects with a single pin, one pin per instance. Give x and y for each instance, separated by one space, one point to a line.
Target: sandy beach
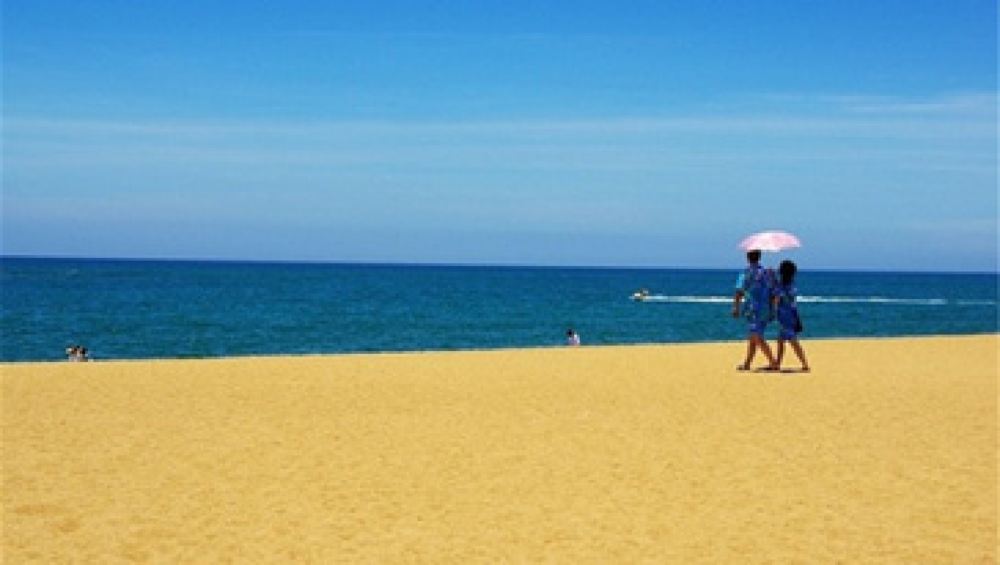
886 452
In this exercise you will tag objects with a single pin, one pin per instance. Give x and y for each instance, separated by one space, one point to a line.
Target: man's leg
751 351
772 364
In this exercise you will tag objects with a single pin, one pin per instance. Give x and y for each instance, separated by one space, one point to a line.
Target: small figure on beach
572 338
753 289
788 313
77 353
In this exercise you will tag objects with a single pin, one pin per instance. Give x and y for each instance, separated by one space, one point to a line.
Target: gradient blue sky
557 133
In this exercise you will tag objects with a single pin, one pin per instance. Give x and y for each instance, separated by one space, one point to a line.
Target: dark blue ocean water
155 309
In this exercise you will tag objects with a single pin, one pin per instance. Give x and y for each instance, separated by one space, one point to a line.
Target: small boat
640 295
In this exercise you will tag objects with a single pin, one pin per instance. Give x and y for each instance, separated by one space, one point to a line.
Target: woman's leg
780 353
801 354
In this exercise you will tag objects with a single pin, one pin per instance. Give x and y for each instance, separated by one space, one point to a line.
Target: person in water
77 353
753 289
572 338
788 313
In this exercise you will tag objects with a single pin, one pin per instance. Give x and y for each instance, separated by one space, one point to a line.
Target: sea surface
124 309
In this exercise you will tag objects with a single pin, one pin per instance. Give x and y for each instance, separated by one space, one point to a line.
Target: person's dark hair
787 271
753 255
569 331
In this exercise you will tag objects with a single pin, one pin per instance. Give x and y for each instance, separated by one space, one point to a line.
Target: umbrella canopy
770 241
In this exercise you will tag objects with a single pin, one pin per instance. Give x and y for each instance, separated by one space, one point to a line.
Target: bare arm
737 298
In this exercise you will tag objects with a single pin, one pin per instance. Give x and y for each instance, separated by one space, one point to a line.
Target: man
755 283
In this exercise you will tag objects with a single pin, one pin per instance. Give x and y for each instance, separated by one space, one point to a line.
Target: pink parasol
770 241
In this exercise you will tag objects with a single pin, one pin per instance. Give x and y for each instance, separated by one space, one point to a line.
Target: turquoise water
155 309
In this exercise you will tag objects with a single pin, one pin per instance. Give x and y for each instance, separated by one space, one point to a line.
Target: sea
129 309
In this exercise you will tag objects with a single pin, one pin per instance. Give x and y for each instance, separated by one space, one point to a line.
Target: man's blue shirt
757 283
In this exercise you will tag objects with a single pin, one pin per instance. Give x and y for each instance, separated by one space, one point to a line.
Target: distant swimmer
77 353
572 338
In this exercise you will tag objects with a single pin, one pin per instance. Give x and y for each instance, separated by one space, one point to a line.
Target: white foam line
874 300
688 299
826 300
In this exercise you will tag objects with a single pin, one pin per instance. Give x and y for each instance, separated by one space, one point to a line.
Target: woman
788 313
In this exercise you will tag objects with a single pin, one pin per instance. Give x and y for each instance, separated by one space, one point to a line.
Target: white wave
976 302
823 300
874 300
687 299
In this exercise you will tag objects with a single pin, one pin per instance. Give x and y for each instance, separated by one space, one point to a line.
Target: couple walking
765 297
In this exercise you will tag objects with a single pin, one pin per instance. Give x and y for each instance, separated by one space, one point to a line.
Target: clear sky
555 133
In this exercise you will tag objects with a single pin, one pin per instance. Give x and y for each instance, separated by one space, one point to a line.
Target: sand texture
886 452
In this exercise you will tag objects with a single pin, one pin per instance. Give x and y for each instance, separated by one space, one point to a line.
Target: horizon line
431 264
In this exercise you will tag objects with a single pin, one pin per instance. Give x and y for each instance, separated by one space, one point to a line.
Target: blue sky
575 133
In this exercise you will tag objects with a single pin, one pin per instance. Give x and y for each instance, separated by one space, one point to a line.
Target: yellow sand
887 452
